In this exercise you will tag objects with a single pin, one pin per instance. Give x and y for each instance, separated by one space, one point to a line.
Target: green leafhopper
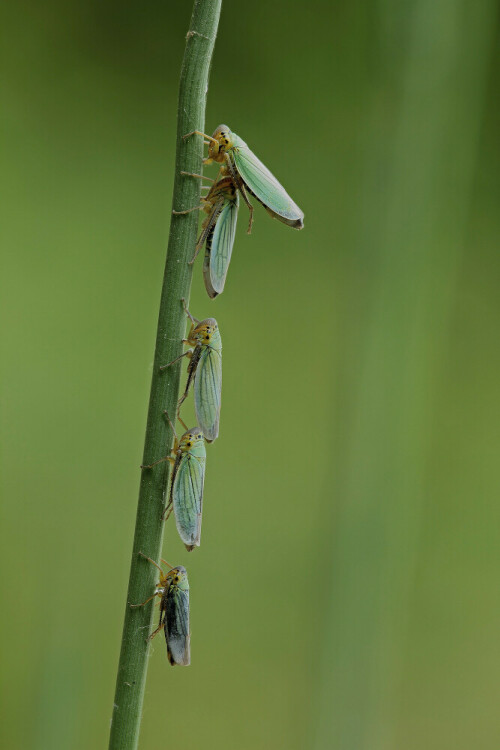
220 229
217 231
205 369
173 590
185 496
249 173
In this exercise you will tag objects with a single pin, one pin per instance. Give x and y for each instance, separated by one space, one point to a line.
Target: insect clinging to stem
250 174
220 230
217 230
173 590
185 495
205 370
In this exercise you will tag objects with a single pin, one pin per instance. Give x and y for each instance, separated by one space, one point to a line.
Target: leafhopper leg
196 251
154 563
241 187
182 421
198 132
160 627
184 354
198 176
168 510
150 466
132 606
191 317
187 211
250 207
173 430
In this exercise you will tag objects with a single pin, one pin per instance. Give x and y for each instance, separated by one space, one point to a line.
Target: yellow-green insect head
205 330
190 439
224 139
176 575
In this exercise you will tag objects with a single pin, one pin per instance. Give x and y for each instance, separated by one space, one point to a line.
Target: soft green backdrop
346 594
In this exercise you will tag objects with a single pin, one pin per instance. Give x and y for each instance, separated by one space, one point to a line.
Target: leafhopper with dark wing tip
250 174
217 231
173 590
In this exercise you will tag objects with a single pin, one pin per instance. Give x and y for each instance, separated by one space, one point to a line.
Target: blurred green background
346 594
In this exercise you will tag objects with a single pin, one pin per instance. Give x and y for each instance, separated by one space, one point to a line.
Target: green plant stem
132 667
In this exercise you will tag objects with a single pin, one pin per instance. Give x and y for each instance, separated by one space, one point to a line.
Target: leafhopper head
222 141
204 331
177 576
191 439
